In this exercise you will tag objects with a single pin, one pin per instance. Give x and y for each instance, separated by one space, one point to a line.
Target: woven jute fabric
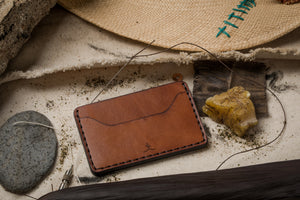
198 21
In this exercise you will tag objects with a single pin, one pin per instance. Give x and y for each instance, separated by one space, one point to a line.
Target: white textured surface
64 52
57 95
5 8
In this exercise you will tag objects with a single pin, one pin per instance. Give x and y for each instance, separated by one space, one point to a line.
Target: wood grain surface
280 180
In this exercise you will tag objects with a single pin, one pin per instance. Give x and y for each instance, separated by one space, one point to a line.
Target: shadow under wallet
136 128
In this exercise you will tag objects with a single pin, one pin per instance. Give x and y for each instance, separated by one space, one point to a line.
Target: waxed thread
116 74
33 123
27 195
242 8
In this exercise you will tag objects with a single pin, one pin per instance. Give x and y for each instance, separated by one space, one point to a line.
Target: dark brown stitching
84 138
144 157
194 110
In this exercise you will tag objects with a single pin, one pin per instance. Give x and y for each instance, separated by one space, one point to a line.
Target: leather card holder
139 127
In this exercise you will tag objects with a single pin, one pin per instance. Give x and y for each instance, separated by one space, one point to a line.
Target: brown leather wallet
139 127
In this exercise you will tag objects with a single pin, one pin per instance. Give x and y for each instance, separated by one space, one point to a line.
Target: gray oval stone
27 152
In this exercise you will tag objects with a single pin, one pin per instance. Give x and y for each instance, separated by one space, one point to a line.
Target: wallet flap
149 124
132 107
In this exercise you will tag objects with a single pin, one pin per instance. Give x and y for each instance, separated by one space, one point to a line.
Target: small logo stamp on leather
149 148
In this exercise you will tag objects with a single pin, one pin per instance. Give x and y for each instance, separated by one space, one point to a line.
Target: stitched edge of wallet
151 155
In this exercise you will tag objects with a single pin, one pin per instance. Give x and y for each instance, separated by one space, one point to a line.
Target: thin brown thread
32 123
268 143
116 74
144 117
228 68
188 43
29 196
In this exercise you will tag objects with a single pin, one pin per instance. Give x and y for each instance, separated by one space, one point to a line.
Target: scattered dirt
95 82
275 85
251 139
50 104
89 180
101 82
206 129
65 144
63 154
113 178
125 79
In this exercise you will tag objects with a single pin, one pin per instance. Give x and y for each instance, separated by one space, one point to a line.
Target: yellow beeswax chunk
232 108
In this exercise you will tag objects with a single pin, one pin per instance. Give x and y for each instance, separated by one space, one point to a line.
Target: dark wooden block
212 78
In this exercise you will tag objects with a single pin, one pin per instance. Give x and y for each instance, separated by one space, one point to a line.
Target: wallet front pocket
139 127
